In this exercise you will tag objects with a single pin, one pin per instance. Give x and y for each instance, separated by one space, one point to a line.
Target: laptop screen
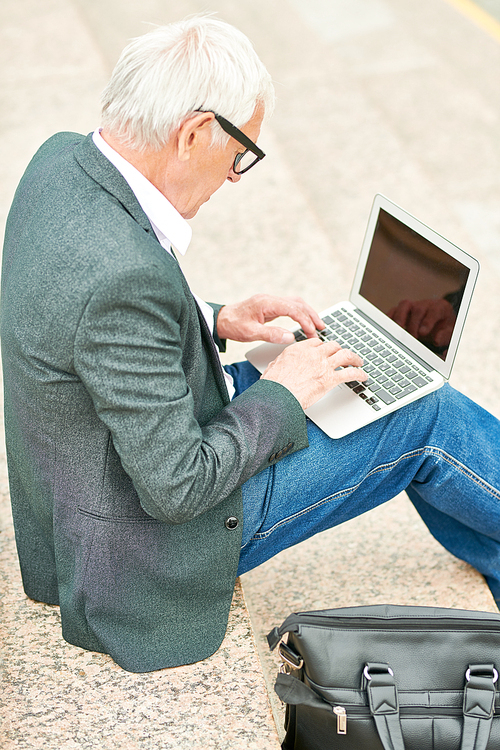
414 282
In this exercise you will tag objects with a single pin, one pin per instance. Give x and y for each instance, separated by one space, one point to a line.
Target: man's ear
194 132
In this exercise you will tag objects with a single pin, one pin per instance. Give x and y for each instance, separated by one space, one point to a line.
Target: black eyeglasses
252 154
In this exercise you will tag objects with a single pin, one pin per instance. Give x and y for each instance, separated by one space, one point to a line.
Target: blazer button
231 523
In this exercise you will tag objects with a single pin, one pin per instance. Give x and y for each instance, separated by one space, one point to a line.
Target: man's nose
233 176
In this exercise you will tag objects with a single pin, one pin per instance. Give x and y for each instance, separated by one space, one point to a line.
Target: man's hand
244 321
309 369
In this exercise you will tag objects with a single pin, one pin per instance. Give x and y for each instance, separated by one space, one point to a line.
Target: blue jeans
444 450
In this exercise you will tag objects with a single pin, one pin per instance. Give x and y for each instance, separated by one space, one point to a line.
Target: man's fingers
344 358
341 357
327 347
244 321
309 320
351 364
351 373
299 311
332 349
274 335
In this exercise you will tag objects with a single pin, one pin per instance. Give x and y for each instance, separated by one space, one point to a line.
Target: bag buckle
289 658
484 673
379 668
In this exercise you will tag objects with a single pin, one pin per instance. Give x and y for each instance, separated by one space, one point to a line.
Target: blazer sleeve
220 343
128 353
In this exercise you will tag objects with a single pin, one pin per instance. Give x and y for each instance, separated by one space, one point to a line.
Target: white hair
198 64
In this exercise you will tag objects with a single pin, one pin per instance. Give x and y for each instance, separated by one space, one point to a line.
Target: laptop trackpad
340 412
263 354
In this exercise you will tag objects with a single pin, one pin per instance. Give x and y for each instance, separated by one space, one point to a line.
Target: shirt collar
169 226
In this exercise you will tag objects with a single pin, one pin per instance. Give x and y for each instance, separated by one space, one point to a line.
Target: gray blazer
125 455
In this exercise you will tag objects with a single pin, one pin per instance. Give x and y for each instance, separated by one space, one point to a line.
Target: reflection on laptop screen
415 283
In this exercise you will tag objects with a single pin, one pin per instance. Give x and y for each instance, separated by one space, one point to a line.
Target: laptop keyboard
391 374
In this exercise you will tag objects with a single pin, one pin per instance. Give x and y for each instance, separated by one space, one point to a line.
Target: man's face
210 167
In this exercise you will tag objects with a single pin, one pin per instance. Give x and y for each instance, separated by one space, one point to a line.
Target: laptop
404 317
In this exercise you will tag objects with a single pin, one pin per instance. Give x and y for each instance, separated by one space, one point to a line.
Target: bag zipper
360 622
341 719
342 713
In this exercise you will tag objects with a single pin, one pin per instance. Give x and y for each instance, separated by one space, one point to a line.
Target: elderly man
143 475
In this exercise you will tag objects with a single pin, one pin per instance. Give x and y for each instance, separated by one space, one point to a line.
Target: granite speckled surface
403 99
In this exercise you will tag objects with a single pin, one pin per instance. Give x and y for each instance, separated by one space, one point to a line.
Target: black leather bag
390 678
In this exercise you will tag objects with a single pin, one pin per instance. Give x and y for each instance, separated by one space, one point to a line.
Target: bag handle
478 704
384 704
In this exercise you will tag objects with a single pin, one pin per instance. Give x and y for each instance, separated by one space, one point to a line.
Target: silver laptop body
407 273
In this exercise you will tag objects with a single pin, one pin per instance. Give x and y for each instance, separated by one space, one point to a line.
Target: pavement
385 96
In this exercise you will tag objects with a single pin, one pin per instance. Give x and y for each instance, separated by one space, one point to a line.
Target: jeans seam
431 450
464 470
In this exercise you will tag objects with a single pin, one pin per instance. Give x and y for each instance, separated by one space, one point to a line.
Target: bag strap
479 706
384 704
295 692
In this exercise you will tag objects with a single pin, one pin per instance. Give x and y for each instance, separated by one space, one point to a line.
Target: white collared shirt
171 229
